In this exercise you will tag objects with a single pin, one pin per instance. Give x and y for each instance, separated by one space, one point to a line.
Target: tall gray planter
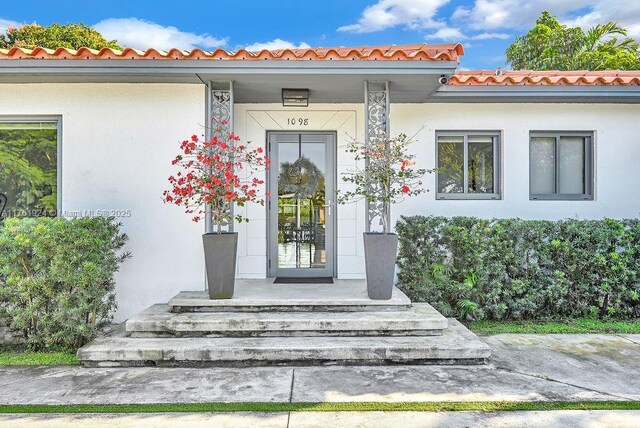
220 250
380 252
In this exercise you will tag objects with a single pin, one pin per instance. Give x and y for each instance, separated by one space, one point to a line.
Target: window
560 166
29 167
468 165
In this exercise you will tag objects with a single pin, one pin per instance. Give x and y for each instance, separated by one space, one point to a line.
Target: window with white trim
468 165
29 166
561 166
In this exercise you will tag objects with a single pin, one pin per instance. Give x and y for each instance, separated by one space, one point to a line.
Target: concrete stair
290 298
289 324
456 345
160 321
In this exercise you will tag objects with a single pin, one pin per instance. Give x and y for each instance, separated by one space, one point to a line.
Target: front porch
287 324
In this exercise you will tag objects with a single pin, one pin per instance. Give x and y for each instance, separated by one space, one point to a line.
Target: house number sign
300 121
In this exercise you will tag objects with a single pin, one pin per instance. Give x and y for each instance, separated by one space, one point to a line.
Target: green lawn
325 407
578 326
37 358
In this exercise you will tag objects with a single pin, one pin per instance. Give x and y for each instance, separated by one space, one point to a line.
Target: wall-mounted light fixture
295 97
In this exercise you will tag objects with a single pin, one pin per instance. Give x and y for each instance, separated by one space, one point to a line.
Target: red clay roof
542 78
414 52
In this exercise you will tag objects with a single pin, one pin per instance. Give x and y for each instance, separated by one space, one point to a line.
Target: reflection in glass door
301 208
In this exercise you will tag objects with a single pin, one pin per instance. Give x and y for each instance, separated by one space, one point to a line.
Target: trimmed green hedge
512 269
57 278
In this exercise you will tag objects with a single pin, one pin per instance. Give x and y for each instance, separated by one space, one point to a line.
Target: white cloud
516 14
625 14
448 34
489 15
452 34
487 36
5 24
141 34
412 14
275 45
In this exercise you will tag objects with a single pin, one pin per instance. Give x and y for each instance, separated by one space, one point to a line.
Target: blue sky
484 27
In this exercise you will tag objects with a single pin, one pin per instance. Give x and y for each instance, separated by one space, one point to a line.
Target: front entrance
301 206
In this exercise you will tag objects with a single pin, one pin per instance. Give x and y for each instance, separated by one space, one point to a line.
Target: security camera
443 80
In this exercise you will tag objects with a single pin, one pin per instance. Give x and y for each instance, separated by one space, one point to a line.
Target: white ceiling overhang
254 81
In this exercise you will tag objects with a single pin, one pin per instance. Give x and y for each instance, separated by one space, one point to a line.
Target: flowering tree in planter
217 173
210 175
388 178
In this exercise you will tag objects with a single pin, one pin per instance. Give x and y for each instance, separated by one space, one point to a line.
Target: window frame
497 165
589 176
57 119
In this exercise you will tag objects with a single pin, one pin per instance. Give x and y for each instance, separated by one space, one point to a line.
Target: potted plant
217 173
388 178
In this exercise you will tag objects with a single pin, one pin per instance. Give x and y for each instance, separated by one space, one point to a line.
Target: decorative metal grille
376 99
221 105
220 117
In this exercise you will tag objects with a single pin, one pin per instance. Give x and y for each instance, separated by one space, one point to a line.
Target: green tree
71 36
553 46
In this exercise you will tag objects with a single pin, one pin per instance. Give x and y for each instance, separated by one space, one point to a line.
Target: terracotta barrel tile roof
540 78
414 52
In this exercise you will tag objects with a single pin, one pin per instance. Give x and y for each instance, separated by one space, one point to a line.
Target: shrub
57 278
503 269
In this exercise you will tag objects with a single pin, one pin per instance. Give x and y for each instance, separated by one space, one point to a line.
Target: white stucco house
545 145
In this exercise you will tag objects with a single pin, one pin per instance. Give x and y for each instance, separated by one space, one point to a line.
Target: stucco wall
617 156
118 140
117 144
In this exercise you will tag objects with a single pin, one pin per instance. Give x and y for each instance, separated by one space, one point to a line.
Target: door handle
328 207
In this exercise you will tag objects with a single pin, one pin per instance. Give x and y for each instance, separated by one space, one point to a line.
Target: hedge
513 269
57 278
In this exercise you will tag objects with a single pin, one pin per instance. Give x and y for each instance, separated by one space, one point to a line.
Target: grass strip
37 358
325 407
576 326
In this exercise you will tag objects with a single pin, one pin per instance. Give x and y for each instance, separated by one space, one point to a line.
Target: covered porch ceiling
253 82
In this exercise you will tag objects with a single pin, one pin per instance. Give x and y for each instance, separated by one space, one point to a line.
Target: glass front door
301 204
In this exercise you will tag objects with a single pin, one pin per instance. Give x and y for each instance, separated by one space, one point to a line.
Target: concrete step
256 296
159 321
456 345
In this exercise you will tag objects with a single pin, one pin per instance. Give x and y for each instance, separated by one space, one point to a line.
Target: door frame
272 268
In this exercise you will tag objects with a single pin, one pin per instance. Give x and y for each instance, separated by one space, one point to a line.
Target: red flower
405 189
208 175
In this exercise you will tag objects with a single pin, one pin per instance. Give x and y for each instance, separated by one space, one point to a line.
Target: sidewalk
556 419
523 368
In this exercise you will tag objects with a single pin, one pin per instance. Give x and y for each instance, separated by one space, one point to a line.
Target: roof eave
197 71
540 93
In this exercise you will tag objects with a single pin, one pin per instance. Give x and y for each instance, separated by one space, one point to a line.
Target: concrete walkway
556 419
523 368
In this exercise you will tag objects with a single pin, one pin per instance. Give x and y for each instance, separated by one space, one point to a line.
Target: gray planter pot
380 252
220 250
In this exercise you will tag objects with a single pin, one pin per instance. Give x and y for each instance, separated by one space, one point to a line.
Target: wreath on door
300 178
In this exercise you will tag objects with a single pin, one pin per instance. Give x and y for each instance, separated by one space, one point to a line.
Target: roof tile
414 52
542 78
